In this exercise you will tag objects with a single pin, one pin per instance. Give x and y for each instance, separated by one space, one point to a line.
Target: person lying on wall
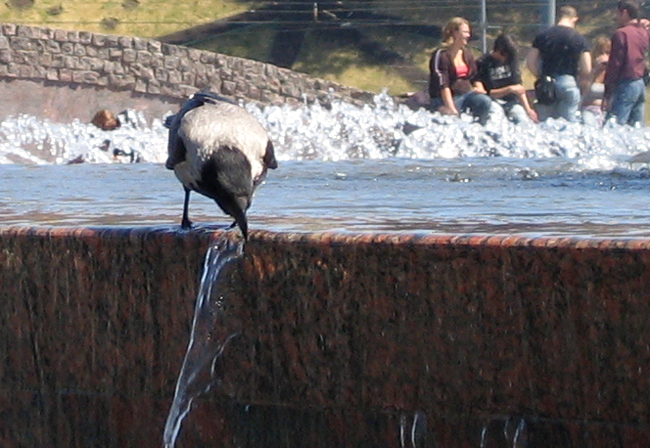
451 70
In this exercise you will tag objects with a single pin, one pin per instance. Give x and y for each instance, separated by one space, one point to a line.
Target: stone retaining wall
343 340
146 67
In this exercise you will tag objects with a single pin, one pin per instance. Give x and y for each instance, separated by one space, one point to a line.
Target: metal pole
484 26
548 14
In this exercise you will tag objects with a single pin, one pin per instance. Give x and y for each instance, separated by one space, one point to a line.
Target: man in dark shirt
624 86
499 73
562 53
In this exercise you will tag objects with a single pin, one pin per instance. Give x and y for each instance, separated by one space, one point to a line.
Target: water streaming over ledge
206 340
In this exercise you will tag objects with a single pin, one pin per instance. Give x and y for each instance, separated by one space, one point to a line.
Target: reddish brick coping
337 238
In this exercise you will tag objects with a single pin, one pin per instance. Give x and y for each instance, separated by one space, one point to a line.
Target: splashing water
29 140
205 344
340 132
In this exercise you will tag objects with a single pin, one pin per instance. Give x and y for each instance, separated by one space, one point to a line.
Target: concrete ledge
345 340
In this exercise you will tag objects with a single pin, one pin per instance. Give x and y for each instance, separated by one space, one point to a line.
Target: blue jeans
478 105
628 102
515 111
567 101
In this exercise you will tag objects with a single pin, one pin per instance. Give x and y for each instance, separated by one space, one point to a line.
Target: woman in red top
451 69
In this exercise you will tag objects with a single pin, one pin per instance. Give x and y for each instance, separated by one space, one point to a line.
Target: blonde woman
593 99
451 70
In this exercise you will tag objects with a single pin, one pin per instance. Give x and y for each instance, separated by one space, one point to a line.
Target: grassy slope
320 55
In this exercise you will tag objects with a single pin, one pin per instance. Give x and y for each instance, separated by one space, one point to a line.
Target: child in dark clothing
498 72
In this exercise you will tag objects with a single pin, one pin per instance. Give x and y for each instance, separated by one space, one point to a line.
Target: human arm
523 99
514 89
584 71
479 87
614 66
449 107
532 62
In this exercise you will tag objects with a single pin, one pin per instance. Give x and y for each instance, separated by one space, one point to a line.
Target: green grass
144 18
321 55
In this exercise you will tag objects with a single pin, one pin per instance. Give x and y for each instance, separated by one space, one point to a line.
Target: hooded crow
219 150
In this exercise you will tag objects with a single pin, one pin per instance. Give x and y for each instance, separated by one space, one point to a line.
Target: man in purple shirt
624 86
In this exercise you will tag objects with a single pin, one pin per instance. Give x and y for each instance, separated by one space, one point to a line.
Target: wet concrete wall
343 340
74 70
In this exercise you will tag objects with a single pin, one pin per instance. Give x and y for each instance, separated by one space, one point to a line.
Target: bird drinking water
220 150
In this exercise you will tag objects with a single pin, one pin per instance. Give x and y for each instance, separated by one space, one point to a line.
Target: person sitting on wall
498 72
451 69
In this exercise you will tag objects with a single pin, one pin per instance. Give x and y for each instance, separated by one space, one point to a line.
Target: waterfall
205 345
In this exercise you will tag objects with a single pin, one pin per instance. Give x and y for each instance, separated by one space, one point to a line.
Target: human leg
568 97
478 104
637 115
592 116
516 112
628 102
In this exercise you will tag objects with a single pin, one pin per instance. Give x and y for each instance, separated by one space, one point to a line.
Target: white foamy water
345 168
340 132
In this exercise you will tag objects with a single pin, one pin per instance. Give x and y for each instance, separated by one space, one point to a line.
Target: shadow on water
206 343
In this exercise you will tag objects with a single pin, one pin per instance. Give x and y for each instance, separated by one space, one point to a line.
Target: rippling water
379 168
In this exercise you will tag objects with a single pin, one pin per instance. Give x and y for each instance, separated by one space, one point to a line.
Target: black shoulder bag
545 90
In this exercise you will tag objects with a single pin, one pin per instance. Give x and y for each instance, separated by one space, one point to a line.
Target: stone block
79 49
143 57
228 88
112 41
8 29
93 64
153 88
65 75
174 77
154 46
85 37
85 76
194 55
52 74
73 36
129 55
207 58
189 78
57 61
125 42
67 48
99 40
22 44
13 70
170 62
140 44
122 81
161 75
140 86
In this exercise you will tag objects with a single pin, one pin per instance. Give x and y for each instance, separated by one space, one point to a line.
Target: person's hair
602 45
632 7
451 27
506 45
568 12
